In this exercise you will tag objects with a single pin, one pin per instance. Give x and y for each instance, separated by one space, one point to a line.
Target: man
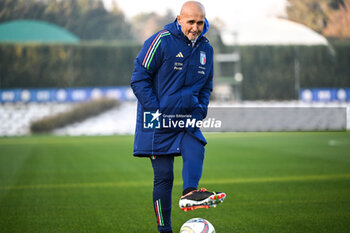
173 76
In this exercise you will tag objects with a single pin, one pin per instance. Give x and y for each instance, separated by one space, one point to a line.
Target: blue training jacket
173 76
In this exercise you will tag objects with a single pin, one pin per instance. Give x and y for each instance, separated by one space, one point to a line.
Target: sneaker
201 198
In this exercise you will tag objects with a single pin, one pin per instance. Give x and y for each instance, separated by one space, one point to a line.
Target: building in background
24 31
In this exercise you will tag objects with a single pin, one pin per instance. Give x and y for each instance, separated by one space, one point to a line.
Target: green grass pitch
275 182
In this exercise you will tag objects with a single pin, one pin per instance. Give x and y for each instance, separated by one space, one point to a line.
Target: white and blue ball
197 225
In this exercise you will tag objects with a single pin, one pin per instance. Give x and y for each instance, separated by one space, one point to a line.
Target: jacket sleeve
146 65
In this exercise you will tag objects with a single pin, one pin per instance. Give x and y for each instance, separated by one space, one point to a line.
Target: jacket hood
175 28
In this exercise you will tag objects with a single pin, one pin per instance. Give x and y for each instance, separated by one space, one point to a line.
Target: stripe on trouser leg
159 214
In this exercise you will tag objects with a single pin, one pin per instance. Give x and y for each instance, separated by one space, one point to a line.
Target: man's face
192 23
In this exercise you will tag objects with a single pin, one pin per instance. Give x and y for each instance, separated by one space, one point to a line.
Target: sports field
275 182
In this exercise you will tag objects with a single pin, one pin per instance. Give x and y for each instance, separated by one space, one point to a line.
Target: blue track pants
192 152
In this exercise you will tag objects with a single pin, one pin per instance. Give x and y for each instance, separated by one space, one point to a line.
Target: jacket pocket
189 100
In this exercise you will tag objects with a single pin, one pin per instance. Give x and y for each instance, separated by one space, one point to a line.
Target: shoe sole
212 201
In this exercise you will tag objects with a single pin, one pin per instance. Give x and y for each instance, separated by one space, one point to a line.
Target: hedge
268 71
59 65
79 113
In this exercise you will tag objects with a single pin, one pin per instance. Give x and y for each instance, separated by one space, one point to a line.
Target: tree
322 16
88 19
146 24
339 22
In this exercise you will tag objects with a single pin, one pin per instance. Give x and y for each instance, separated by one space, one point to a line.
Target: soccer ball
197 225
